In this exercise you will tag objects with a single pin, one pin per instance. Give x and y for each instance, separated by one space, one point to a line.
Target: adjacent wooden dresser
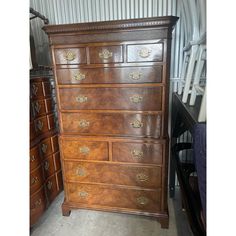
45 167
112 83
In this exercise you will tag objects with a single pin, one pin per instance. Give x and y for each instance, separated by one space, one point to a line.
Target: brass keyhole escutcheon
136 154
83 123
144 52
69 56
142 200
81 99
141 177
136 99
137 124
84 150
135 75
105 54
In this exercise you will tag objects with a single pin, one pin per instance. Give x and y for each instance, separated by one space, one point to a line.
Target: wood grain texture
112 124
137 99
99 195
146 177
125 75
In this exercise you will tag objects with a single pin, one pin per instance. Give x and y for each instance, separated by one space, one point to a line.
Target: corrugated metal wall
76 11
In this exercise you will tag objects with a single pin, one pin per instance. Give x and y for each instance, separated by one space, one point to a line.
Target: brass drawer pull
46 165
69 56
137 124
44 148
136 154
144 52
136 99
39 125
78 76
34 89
49 185
142 177
34 180
81 99
135 75
37 204
37 107
83 194
105 54
84 150
81 171
83 123
32 158
142 200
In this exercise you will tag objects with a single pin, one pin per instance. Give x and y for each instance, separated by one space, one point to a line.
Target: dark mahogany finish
112 89
44 155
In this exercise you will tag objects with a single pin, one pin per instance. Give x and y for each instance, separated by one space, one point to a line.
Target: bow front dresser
112 84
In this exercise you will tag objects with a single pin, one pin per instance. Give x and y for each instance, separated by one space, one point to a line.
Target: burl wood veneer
112 83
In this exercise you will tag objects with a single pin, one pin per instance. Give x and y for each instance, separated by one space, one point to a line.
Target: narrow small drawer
70 55
39 108
48 166
137 99
130 175
36 179
148 153
46 147
124 75
105 54
41 125
107 196
36 90
52 189
38 204
145 52
34 157
84 150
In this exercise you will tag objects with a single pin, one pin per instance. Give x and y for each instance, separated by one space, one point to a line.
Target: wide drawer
70 55
121 124
106 196
142 99
38 204
149 153
145 52
105 54
84 150
130 175
125 75
34 157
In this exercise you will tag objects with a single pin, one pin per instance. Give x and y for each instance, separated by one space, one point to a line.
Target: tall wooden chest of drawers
112 89
45 166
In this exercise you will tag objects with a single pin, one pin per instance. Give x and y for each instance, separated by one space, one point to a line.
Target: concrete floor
96 223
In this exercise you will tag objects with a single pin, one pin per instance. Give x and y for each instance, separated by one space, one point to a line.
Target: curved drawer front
105 54
84 150
114 197
40 90
148 177
141 99
150 153
70 56
145 52
138 125
36 179
39 108
34 157
125 75
38 204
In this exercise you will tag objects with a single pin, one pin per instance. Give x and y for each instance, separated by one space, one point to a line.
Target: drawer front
125 75
70 56
142 99
41 125
34 157
105 54
137 152
148 177
114 197
84 150
38 204
145 52
48 166
39 108
36 179
112 124
51 188
46 147
36 90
